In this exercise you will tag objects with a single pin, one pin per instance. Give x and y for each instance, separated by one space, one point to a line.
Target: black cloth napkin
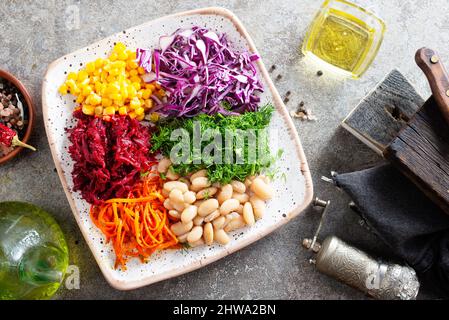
404 218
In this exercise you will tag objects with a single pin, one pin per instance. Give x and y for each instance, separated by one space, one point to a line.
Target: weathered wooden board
380 115
421 152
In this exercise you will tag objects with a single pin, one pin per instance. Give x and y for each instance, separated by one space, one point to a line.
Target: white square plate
293 193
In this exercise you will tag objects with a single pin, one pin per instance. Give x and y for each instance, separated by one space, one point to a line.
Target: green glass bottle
33 252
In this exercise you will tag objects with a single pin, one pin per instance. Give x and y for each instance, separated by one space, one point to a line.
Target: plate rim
280 106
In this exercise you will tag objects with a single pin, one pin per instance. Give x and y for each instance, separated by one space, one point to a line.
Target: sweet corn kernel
63 89
105 102
131 64
94 99
150 86
141 117
113 56
109 111
132 55
83 83
134 104
146 94
132 115
99 63
122 111
94 79
122 56
110 77
148 104
119 65
119 103
72 76
82 75
90 67
132 92
136 85
80 99
139 111
141 70
124 92
70 83
119 47
116 96
135 79
133 73
98 111
88 110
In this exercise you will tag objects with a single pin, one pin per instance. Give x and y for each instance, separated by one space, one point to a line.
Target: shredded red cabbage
108 156
201 73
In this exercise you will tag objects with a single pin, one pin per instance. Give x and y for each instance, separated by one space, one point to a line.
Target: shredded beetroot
109 156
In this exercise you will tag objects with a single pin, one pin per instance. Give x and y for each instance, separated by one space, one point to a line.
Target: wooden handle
429 62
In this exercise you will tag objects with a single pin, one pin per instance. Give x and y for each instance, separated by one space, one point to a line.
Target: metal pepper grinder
354 267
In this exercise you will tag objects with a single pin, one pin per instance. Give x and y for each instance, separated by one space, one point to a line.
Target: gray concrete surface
34 33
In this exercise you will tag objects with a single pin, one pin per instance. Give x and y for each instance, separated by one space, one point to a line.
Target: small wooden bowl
27 104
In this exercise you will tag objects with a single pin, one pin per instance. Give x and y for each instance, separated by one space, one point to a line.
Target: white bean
258 206
235 224
169 186
248 214
201 173
261 189
228 206
221 237
175 214
248 182
198 202
206 193
266 179
171 175
189 197
163 165
180 228
198 221
189 213
185 180
207 207
200 183
168 205
229 217
238 186
183 238
219 222
239 210
176 196
241 197
196 243
195 234
179 206
225 193
212 216
208 233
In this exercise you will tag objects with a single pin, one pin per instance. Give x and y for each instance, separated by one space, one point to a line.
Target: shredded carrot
138 225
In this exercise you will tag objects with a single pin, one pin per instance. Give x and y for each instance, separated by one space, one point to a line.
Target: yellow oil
339 39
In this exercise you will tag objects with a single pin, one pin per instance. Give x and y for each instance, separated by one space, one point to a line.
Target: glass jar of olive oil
344 37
